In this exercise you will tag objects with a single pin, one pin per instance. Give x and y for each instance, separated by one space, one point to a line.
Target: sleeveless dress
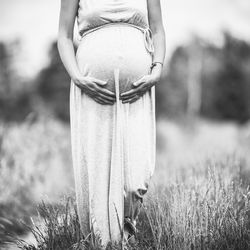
113 146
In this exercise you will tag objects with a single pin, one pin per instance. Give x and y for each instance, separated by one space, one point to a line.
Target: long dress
113 146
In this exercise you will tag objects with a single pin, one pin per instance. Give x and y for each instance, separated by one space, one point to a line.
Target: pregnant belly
109 48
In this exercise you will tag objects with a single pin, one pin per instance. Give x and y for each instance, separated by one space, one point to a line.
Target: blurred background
203 99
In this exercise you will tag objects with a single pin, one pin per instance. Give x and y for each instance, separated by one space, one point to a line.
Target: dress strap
148 41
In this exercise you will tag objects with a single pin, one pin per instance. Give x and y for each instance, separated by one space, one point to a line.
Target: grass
201 204
32 160
209 212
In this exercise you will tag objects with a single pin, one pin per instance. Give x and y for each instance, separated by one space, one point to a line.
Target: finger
106 92
87 92
129 97
97 90
134 99
96 93
138 83
99 100
131 100
106 97
106 101
100 82
129 93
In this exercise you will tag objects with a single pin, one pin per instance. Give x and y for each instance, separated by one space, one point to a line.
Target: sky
35 23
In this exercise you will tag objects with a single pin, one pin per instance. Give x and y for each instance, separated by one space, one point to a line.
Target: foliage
215 80
54 85
222 73
15 98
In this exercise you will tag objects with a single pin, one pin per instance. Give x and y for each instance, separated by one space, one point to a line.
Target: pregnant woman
117 63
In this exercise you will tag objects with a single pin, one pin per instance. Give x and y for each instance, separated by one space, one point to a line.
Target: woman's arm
156 25
65 37
146 82
91 86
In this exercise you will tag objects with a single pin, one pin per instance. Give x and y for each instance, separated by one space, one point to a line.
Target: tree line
200 79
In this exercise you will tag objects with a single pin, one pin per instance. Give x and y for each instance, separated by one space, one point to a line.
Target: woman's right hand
94 88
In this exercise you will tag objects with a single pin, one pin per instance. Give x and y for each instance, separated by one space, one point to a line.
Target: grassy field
199 197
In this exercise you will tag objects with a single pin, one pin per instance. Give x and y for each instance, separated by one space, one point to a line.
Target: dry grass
199 204
33 160
208 212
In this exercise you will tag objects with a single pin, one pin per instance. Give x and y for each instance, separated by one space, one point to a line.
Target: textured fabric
113 146
92 13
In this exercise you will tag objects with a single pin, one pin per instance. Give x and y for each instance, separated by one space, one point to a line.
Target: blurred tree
171 91
5 71
226 79
206 80
194 68
54 85
14 100
201 79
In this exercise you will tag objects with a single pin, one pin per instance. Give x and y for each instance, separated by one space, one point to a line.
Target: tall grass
208 212
34 156
194 201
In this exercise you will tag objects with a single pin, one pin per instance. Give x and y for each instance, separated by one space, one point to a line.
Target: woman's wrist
157 71
76 76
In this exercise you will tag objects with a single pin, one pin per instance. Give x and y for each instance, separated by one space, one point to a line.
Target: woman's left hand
140 87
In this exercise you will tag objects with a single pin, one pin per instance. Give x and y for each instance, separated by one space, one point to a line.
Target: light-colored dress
113 146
